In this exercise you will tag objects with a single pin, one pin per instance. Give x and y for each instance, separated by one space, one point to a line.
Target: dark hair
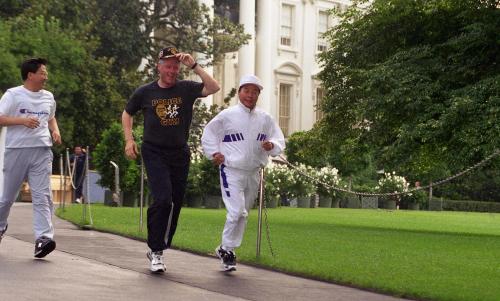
31 65
239 89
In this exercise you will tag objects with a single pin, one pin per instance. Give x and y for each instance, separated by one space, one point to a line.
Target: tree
9 8
418 82
148 26
187 25
10 74
121 38
115 37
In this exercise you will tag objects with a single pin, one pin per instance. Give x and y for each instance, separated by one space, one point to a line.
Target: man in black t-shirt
167 106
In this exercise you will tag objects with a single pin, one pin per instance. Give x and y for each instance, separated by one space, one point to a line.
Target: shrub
328 175
474 206
209 182
302 186
278 181
194 186
415 197
111 148
392 183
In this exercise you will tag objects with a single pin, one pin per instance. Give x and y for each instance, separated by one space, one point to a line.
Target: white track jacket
238 132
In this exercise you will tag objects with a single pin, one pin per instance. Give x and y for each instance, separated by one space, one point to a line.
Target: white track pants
34 164
239 190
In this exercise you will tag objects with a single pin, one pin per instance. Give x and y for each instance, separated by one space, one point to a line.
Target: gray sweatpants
34 164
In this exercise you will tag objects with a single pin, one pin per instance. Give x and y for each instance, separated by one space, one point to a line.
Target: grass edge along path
414 254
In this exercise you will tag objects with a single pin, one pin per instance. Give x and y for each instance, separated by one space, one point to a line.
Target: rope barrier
262 205
268 231
482 162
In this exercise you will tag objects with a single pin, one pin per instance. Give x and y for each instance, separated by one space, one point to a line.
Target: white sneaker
78 201
156 259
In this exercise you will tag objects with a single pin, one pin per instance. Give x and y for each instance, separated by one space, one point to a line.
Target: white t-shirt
21 102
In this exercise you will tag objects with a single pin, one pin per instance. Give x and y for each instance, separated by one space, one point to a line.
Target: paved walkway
90 265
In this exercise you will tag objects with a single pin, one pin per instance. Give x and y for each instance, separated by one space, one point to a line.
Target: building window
284 111
322 28
286 24
320 93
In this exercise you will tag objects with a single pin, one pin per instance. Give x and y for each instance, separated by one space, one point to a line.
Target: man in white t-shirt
28 112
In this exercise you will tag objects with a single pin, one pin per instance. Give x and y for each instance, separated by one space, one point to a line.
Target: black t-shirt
167 111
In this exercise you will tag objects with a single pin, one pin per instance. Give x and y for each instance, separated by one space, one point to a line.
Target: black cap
168 52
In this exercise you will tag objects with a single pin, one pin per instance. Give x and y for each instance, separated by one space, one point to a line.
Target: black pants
167 171
78 181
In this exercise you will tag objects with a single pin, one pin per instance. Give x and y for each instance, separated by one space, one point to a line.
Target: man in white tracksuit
240 139
28 112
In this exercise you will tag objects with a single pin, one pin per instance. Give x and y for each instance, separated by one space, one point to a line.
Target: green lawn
417 254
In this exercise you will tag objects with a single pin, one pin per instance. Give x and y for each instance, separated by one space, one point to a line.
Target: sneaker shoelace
157 259
231 257
228 256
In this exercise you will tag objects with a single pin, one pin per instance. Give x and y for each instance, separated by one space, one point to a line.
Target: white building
286 39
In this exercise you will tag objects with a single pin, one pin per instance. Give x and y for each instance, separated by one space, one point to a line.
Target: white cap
250 79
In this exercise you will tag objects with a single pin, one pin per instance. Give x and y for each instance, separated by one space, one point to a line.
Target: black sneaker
228 259
43 246
3 232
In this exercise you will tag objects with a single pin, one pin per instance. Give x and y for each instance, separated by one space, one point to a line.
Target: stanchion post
64 188
261 204
61 175
67 169
116 195
87 198
430 193
84 209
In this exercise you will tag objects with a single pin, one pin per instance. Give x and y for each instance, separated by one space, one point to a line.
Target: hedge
451 205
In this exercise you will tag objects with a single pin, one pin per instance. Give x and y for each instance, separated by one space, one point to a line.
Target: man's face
168 70
249 94
39 78
78 150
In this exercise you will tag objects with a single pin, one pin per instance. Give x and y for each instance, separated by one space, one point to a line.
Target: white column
308 62
264 55
246 54
204 59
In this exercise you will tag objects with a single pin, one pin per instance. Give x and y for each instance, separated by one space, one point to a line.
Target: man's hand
31 122
186 59
56 136
218 158
131 150
267 145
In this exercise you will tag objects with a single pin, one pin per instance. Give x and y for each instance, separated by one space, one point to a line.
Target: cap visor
253 84
167 56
